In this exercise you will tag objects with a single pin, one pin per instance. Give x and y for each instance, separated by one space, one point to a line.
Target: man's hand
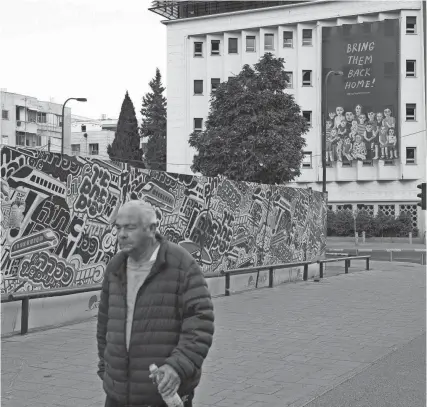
169 380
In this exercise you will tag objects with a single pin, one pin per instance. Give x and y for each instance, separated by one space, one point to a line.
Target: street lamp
337 73
63 121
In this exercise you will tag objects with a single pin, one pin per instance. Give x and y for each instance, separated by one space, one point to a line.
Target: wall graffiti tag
57 213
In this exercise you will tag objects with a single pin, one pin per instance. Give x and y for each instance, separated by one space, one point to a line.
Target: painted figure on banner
362 102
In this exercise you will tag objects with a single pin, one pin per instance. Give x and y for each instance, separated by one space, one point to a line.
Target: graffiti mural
361 121
58 212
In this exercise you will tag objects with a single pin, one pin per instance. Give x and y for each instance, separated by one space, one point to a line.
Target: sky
97 49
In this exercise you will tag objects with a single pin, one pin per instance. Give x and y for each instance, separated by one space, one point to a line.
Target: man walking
155 307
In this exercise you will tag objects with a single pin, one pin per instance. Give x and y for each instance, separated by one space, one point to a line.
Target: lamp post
337 73
63 121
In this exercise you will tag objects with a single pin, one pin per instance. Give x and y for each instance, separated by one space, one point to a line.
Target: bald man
155 307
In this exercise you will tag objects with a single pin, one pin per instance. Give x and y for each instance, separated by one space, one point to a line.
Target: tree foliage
254 131
126 143
154 124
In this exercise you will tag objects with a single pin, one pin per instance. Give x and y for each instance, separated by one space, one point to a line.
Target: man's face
339 110
132 233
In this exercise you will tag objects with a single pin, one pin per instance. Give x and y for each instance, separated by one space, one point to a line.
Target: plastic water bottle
171 401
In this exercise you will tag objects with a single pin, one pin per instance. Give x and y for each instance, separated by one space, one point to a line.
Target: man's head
136 224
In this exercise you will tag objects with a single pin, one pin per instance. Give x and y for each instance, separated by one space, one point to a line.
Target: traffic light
422 195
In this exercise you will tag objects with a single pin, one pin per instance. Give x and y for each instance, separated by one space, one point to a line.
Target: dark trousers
109 402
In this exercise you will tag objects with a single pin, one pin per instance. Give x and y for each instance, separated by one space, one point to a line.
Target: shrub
341 223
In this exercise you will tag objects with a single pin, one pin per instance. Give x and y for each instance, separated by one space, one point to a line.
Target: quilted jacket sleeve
101 329
197 326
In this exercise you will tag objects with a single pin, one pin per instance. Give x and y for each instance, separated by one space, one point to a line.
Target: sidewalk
273 347
337 243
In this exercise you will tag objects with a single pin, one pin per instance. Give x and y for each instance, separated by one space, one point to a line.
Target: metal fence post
367 263
227 284
321 270
346 266
270 277
305 275
25 309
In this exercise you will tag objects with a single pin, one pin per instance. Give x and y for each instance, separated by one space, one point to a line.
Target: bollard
321 270
410 237
270 277
25 309
305 276
367 263
363 237
227 284
346 266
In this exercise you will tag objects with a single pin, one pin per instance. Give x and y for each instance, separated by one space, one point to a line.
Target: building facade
27 121
90 138
208 49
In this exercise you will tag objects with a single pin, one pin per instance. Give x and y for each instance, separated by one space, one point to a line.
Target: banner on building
58 212
361 121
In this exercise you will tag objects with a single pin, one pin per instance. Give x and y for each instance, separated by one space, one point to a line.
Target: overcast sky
96 49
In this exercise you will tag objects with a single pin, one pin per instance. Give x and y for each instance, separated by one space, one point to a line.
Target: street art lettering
362 104
57 226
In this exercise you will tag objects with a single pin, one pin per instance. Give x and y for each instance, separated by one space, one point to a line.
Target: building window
41 117
5 140
410 112
288 39
198 49
250 43
306 78
346 163
290 79
411 25
367 163
388 163
410 68
83 128
307 37
75 149
411 154
307 116
232 46
215 82
28 139
215 47
94 149
307 160
5 114
198 87
269 41
198 124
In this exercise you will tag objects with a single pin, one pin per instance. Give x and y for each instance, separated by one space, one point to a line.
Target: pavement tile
272 348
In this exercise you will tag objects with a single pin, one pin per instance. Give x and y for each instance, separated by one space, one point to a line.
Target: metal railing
347 262
26 296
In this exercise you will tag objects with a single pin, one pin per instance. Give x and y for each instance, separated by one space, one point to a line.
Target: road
407 256
397 380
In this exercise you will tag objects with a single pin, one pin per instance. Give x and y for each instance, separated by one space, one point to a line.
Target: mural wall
361 121
57 213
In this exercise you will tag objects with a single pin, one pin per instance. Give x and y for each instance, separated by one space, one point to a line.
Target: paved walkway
273 347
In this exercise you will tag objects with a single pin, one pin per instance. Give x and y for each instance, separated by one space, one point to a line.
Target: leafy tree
254 131
126 143
154 124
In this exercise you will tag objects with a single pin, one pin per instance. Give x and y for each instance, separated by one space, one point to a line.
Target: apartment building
380 48
91 137
32 123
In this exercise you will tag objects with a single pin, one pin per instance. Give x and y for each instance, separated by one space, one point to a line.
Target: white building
207 43
27 121
91 137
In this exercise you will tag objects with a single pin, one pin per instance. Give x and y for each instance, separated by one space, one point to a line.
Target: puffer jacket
173 324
